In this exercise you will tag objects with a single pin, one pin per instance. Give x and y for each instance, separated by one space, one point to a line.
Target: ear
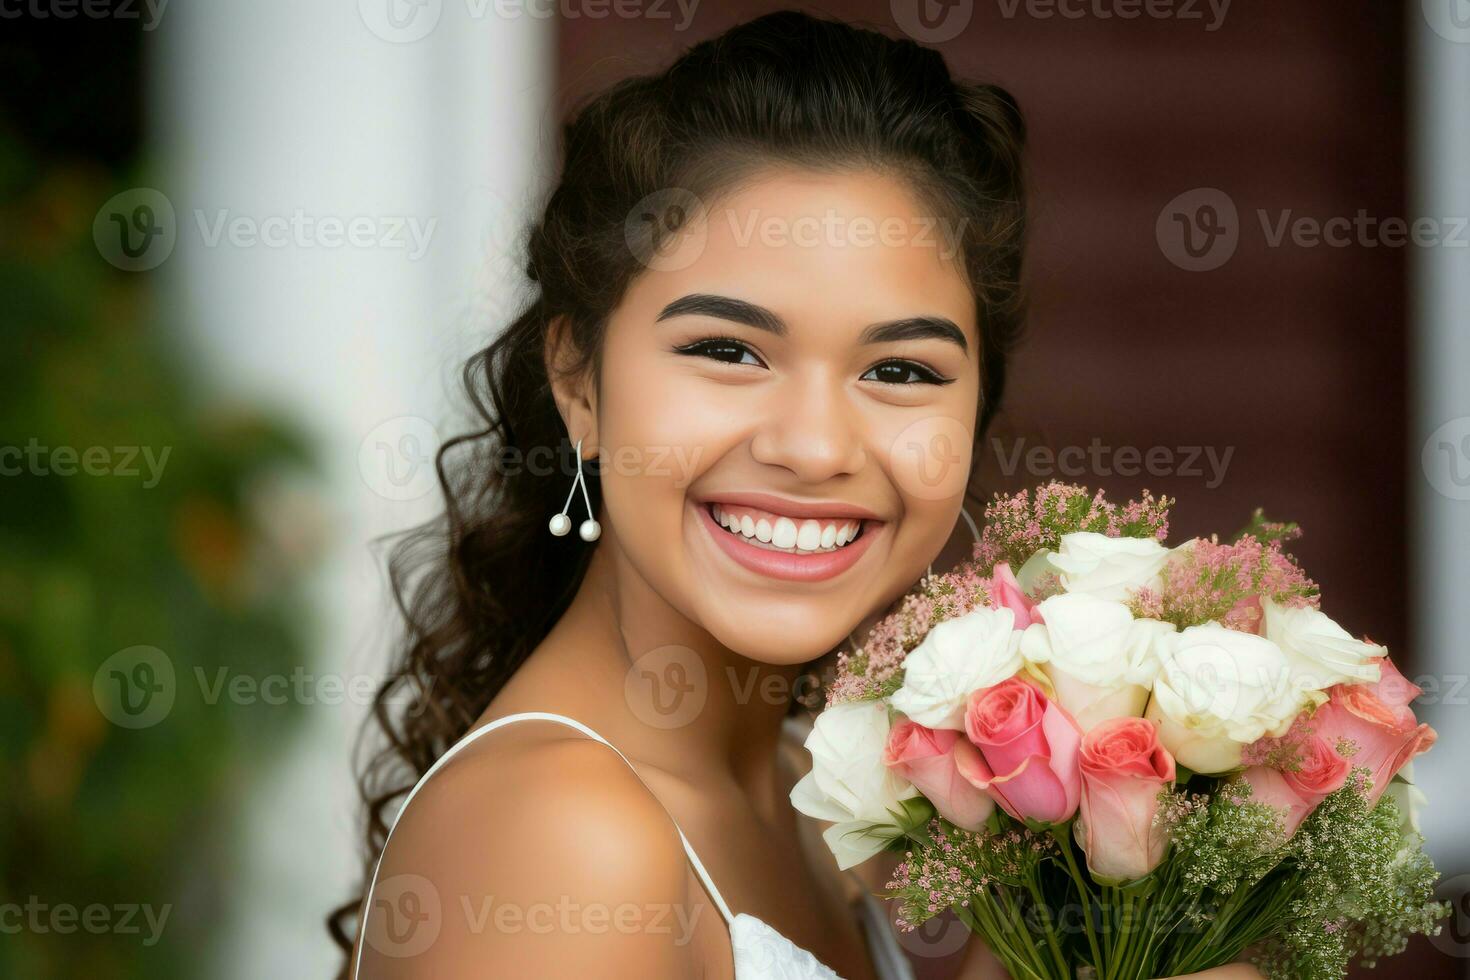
574 390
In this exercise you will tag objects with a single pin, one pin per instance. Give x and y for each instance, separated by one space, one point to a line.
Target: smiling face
786 410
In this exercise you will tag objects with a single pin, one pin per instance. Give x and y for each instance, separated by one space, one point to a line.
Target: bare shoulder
540 854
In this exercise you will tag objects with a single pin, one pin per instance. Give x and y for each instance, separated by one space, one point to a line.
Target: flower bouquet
1112 758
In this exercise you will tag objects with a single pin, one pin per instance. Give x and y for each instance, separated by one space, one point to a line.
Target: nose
812 429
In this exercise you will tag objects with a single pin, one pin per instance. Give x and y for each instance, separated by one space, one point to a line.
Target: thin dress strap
367 902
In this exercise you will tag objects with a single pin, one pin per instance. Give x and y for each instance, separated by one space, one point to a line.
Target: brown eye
723 349
903 373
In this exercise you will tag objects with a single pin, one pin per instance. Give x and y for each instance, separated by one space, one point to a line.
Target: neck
678 697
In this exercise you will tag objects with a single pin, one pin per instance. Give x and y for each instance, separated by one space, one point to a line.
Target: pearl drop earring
561 523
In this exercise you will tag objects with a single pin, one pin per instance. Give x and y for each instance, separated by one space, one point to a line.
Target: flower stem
1084 892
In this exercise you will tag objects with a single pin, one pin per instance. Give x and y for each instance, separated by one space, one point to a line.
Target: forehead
842 250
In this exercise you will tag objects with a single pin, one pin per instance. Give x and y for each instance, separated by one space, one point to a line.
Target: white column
430 121
1439 385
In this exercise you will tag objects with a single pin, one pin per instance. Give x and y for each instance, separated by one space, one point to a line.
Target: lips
789 540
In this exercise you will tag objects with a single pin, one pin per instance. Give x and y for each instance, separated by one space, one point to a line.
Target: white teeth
786 534
783 535
809 536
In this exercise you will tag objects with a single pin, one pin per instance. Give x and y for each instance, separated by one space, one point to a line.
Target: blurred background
244 249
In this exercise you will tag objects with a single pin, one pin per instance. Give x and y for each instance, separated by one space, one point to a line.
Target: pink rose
1321 772
1022 749
1005 593
1377 719
926 758
1123 769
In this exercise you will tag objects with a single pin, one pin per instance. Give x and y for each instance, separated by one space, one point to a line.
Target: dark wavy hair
483 584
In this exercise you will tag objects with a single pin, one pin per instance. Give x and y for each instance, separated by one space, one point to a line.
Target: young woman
777 284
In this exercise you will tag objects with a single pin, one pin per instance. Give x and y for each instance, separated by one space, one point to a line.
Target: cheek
659 431
927 459
657 435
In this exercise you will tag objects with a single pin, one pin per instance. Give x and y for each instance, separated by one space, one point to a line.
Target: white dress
761 953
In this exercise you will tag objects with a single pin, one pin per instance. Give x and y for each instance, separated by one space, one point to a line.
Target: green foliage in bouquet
1349 886
185 531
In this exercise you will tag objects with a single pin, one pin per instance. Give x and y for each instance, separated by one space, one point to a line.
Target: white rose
1321 652
1219 689
1410 799
848 782
957 657
1100 660
1108 568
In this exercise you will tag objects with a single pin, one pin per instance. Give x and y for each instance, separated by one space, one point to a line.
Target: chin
778 642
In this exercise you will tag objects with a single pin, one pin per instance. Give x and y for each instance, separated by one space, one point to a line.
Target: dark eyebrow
739 311
916 328
725 308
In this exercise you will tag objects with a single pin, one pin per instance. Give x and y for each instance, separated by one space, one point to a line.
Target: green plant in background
132 514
